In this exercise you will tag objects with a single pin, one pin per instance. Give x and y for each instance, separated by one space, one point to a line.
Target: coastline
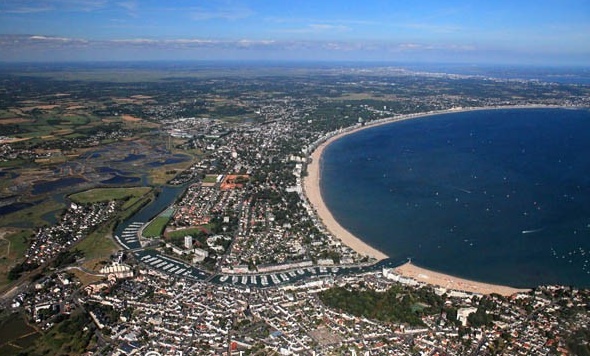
312 190
410 270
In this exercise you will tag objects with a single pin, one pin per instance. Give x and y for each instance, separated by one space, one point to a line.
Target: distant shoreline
312 190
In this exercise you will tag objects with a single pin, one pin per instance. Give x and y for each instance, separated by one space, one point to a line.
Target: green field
98 246
194 231
210 178
12 250
156 227
108 194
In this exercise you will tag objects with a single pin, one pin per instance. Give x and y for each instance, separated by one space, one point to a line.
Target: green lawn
156 227
210 178
181 233
98 245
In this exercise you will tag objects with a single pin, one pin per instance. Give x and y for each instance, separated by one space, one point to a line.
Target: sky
535 32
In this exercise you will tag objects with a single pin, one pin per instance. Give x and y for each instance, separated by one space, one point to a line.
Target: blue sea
499 196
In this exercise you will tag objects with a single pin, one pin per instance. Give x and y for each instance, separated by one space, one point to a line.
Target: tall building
188 242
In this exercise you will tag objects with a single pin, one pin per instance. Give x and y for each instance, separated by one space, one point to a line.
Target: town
240 262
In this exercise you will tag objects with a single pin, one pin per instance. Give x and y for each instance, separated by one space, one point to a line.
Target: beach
312 190
450 282
311 186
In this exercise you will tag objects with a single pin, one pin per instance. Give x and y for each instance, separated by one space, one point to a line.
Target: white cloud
128 5
319 28
226 13
36 6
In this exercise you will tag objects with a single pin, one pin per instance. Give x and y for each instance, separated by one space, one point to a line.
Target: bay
500 196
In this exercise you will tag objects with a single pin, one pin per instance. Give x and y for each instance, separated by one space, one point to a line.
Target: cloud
23 9
39 41
224 13
432 28
42 47
318 28
131 6
128 5
299 20
56 39
37 6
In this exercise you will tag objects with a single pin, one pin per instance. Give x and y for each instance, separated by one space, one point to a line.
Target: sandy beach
450 282
311 186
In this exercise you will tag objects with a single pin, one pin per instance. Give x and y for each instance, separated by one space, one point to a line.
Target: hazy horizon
503 32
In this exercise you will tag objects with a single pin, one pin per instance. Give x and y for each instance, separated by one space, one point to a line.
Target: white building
188 242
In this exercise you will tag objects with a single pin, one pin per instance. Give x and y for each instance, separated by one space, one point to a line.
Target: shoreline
312 191
448 282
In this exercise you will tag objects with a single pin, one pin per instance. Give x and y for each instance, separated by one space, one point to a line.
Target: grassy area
162 175
156 227
85 278
181 233
108 194
4 114
12 163
70 337
12 249
98 247
210 178
131 206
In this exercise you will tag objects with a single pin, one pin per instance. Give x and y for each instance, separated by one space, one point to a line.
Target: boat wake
532 231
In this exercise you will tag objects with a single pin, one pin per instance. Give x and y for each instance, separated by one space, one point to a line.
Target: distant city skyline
542 32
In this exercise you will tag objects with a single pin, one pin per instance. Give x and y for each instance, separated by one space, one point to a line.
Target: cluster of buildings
171 315
258 199
75 224
50 298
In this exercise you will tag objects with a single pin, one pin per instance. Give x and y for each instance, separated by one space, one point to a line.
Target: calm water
49 186
500 196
